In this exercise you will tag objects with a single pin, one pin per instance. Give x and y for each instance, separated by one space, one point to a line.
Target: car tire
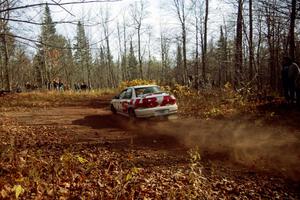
131 113
132 119
113 110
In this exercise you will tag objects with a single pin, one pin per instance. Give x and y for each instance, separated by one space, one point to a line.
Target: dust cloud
246 143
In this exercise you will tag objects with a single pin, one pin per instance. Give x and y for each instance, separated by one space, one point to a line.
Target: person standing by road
291 80
295 75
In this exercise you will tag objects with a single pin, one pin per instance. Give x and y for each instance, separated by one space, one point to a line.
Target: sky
160 15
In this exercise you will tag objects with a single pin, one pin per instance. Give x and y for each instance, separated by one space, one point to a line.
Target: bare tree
239 44
251 51
204 49
181 14
197 6
164 48
292 30
138 14
5 15
105 17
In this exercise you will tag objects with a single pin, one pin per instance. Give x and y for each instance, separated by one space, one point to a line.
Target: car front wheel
113 110
131 113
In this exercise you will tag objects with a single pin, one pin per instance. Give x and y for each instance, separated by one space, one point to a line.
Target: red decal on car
168 100
146 103
150 102
138 103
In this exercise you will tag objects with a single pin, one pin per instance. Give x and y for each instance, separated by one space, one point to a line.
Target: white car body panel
161 107
157 111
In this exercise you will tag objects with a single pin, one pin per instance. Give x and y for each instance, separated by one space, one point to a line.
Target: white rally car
144 101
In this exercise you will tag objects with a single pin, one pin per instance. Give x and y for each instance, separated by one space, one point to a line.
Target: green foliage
82 55
48 29
132 64
54 57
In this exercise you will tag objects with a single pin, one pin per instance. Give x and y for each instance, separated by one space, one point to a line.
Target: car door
125 100
117 101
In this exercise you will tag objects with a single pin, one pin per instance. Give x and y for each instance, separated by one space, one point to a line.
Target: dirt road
237 149
258 147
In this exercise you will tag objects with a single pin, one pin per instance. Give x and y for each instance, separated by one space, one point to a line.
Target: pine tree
38 63
101 71
222 53
48 29
124 67
66 62
46 50
53 59
132 63
82 54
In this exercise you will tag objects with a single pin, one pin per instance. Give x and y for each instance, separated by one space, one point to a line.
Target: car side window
122 94
128 94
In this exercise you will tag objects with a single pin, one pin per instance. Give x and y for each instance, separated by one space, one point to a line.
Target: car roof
143 86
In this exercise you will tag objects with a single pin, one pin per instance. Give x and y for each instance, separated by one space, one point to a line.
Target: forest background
185 45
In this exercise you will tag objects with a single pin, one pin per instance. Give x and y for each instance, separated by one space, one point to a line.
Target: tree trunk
204 53
196 70
139 52
120 53
6 61
239 45
258 55
126 75
109 61
292 30
251 52
184 54
270 39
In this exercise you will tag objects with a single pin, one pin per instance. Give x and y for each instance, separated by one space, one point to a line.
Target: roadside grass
212 103
44 99
221 103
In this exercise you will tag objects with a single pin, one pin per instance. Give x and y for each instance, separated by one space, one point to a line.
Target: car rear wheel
113 110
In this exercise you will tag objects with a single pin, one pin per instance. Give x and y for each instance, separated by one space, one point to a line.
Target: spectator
60 85
27 86
76 86
295 74
83 86
291 80
55 85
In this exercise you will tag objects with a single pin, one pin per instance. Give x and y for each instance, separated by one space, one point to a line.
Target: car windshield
147 90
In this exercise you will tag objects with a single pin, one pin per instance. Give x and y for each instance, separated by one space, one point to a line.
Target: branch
41 24
59 4
55 4
37 42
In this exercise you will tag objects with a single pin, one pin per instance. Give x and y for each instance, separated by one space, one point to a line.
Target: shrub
135 82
